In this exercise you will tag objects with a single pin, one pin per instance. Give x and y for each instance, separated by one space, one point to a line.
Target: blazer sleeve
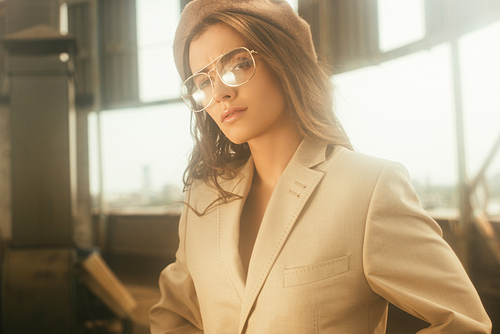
407 262
178 309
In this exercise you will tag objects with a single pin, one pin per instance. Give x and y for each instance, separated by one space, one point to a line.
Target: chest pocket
316 272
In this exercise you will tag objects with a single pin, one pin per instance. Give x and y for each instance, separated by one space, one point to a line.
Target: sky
400 110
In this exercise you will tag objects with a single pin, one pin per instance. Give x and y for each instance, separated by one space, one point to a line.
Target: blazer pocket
316 272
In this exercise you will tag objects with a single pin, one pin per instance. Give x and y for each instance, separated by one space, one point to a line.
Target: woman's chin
237 142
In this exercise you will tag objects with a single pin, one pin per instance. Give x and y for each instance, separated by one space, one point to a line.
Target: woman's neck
272 152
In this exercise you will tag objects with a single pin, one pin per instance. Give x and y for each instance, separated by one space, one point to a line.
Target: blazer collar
310 153
229 227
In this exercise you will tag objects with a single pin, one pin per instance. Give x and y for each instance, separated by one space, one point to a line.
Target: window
144 150
144 153
403 110
479 55
400 22
156 24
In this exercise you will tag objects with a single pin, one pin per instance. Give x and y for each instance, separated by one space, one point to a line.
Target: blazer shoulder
344 159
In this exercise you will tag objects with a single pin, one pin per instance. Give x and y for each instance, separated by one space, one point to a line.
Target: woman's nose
222 92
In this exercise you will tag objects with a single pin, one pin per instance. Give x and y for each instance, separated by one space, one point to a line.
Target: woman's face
252 110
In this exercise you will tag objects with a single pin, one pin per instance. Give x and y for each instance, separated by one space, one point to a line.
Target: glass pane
144 154
156 24
403 110
63 19
479 55
400 22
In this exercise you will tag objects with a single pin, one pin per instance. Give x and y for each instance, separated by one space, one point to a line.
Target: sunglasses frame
216 60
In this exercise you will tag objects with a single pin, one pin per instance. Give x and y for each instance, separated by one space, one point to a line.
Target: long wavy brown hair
308 92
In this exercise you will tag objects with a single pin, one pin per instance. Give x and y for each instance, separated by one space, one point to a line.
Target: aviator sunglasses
234 69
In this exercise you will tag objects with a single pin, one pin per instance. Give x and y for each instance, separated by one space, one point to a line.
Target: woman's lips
231 114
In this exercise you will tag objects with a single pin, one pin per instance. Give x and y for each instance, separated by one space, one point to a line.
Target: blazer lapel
292 191
229 228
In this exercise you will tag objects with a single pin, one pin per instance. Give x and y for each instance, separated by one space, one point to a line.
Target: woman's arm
178 309
407 262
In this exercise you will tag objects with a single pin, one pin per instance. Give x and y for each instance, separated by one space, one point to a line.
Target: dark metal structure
48 286
39 285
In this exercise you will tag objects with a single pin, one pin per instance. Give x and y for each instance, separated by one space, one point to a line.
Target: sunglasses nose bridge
213 77
217 80
210 71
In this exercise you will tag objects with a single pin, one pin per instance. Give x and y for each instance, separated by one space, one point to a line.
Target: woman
286 229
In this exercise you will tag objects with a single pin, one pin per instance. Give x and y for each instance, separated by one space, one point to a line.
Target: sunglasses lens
234 68
197 91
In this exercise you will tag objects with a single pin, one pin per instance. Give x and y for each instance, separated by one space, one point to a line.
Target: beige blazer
343 234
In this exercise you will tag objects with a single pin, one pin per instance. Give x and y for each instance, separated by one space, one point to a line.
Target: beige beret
278 13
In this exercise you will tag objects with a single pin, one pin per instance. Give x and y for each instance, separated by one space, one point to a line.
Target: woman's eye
241 64
202 84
